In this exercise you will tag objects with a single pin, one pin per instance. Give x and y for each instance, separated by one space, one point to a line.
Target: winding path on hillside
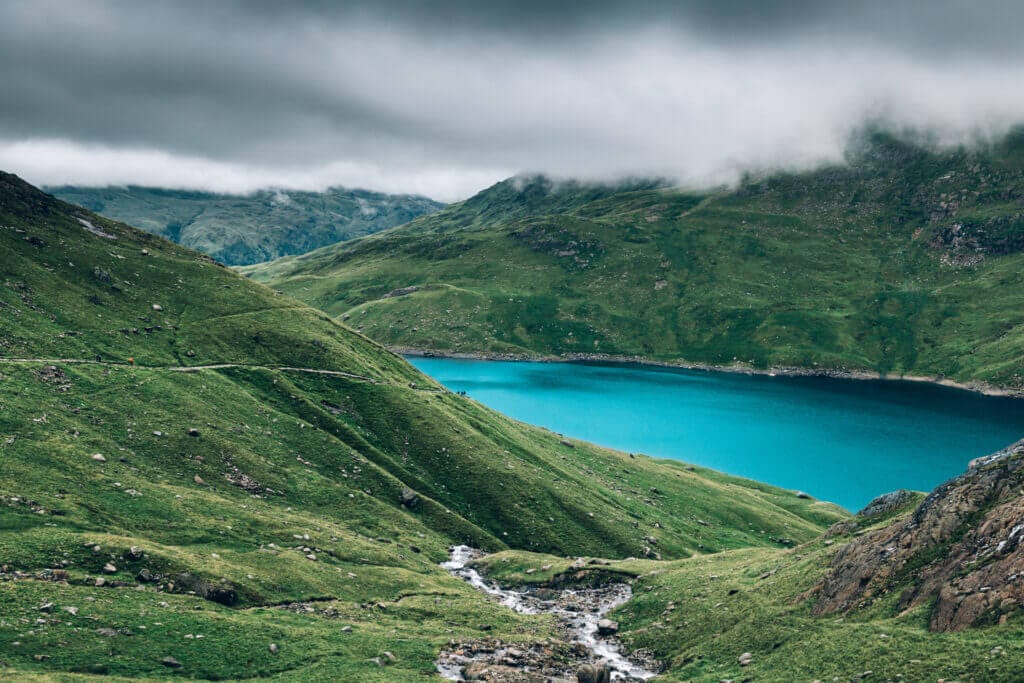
196 368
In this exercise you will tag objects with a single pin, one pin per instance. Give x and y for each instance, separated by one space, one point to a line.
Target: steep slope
244 229
959 551
170 432
905 260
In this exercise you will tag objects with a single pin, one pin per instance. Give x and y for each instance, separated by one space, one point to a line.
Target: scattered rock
567 443
144 576
193 432
593 673
199 480
134 553
157 307
107 632
73 611
171 663
109 568
607 627
274 649
98 457
805 496
745 659
408 498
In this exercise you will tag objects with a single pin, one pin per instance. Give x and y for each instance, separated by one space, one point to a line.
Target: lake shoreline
976 387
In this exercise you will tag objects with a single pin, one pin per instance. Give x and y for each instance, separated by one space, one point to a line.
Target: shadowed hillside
244 229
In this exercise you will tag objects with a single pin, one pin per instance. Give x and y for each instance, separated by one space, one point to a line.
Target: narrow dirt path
193 368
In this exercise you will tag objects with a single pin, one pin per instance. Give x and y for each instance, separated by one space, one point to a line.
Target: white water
579 610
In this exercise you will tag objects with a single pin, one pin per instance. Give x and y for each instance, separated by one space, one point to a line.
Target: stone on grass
745 659
171 663
98 457
408 498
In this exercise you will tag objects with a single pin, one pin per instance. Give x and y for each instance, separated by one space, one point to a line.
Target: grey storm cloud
445 97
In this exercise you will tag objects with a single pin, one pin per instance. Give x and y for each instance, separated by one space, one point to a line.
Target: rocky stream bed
588 652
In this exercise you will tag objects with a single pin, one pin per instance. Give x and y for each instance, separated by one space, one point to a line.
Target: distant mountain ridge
239 229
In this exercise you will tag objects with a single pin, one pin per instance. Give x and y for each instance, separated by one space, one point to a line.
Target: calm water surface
840 440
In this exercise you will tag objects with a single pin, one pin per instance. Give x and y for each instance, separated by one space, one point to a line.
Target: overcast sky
446 97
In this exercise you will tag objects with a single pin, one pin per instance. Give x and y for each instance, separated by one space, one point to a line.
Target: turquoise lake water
845 441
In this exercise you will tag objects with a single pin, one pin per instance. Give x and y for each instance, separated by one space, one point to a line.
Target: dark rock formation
960 547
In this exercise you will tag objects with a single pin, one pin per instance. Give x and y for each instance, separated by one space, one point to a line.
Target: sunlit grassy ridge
905 260
256 451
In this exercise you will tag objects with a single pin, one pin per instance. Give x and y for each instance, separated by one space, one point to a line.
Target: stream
578 611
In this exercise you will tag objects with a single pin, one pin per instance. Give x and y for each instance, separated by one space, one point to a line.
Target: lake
845 441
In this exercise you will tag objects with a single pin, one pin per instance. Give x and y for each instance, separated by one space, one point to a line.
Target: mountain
202 477
906 259
246 229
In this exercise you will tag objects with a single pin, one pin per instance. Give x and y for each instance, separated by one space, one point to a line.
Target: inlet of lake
840 440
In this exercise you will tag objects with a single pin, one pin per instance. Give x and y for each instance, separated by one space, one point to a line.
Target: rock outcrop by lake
961 548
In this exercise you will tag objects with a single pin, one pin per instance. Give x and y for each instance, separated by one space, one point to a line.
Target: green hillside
195 467
906 259
244 229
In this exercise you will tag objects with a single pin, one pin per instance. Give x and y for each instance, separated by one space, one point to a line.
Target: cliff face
961 547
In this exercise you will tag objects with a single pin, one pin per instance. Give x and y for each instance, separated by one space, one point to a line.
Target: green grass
286 459
858 267
700 614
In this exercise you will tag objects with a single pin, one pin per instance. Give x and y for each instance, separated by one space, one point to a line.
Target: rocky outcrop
961 547
885 503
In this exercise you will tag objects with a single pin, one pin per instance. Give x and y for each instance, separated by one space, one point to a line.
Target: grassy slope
330 454
854 267
242 229
701 614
